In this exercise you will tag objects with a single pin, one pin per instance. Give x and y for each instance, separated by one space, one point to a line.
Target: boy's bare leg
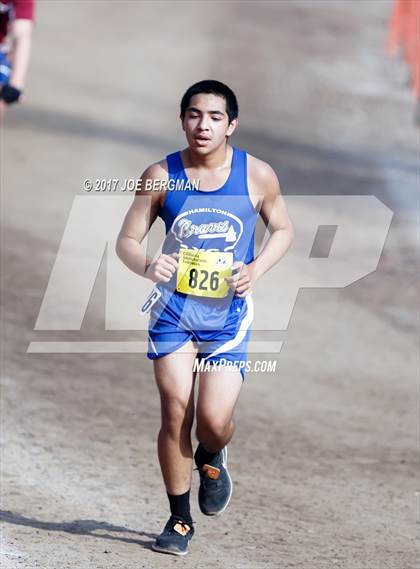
175 381
217 396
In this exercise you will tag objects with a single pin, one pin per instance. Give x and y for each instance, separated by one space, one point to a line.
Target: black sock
180 506
202 456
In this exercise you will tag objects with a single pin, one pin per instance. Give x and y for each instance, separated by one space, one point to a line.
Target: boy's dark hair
215 88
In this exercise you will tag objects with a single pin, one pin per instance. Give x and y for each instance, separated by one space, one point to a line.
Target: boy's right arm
138 221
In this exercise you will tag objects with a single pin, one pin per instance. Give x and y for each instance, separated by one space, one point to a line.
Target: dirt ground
324 460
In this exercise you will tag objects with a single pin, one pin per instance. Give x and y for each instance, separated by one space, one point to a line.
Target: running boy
201 308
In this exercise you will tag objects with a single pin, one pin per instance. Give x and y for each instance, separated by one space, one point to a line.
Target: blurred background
324 458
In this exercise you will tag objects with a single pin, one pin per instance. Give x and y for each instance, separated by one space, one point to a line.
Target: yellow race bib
203 273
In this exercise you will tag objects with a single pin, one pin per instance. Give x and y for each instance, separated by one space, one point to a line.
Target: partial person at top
16 23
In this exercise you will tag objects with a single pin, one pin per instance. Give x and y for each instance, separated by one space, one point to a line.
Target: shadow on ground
80 527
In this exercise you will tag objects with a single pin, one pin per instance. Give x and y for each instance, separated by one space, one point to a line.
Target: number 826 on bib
203 273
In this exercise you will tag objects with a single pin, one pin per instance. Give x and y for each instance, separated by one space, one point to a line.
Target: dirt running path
324 459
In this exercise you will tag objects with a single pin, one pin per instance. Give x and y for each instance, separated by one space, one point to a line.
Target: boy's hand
242 280
163 269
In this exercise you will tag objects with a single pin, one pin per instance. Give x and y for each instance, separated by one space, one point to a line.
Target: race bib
151 300
203 273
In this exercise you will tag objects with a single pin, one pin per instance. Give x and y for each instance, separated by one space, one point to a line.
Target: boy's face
206 123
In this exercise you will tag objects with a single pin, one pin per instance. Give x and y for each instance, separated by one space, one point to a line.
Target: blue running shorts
5 69
219 328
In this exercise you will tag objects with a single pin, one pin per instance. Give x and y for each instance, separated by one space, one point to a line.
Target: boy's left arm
274 214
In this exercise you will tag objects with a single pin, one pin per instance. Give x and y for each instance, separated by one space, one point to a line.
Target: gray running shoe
215 485
175 537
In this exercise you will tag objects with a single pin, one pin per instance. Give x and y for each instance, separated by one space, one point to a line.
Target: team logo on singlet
222 262
221 226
